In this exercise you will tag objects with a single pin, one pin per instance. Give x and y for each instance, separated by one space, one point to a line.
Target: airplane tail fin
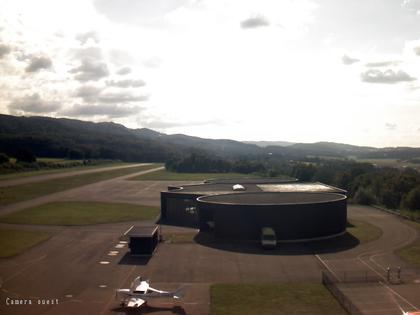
179 293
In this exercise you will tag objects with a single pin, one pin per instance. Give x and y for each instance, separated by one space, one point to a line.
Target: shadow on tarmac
128 259
146 309
336 244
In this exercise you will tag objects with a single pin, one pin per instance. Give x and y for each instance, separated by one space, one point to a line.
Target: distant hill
340 150
264 144
61 137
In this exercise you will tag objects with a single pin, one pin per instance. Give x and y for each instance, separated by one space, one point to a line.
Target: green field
36 172
12 194
81 213
14 242
270 299
363 231
411 252
167 175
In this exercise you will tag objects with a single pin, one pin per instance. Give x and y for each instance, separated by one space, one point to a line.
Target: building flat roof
299 187
225 188
250 180
272 198
142 231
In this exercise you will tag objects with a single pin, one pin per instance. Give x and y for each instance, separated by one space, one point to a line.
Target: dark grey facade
296 211
143 240
293 216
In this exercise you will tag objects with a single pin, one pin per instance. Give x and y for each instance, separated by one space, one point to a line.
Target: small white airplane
140 291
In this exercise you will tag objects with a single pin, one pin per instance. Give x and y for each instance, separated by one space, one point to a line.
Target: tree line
365 183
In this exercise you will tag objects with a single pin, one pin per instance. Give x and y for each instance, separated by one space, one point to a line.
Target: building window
191 210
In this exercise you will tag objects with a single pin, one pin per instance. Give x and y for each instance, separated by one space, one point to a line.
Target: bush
25 155
364 197
4 158
411 201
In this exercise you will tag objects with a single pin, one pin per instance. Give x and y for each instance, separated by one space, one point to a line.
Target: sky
292 70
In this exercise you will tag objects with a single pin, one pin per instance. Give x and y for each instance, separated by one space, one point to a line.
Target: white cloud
107 110
124 71
388 76
33 104
254 22
348 60
38 63
90 70
390 126
126 83
4 50
88 36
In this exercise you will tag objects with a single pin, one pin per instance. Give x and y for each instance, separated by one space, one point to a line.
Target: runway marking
370 267
121 283
119 246
402 298
113 253
68 296
24 268
104 262
123 242
102 286
371 258
387 287
328 268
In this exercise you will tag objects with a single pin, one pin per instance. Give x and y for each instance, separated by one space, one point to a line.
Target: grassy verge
411 252
267 299
81 213
180 238
12 194
14 242
363 231
167 175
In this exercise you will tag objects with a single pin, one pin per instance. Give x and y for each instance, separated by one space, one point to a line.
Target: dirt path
44 177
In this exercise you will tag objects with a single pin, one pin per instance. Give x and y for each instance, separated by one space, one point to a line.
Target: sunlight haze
299 71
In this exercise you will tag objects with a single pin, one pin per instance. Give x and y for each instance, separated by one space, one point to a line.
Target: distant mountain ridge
264 144
62 137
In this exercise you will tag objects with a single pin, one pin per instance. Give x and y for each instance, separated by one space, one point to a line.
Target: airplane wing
178 293
135 302
157 291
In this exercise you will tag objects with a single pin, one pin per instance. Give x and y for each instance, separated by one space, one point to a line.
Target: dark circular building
294 216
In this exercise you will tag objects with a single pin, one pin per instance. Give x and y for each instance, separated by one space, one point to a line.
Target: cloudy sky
298 70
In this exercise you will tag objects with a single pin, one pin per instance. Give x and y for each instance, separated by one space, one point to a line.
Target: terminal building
238 209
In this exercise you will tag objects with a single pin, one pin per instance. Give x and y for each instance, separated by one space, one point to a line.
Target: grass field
14 242
363 231
81 213
411 252
12 194
167 175
268 299
36 172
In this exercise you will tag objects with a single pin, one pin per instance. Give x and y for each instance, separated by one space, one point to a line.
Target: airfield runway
79 268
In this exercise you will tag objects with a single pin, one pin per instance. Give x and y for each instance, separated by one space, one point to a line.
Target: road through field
44 177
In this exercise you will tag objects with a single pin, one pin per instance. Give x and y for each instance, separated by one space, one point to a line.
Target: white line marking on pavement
328 268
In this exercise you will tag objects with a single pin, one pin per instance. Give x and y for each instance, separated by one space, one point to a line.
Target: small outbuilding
143 240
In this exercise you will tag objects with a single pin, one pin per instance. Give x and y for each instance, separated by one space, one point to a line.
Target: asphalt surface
111 190
373 259
80 267
44 177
